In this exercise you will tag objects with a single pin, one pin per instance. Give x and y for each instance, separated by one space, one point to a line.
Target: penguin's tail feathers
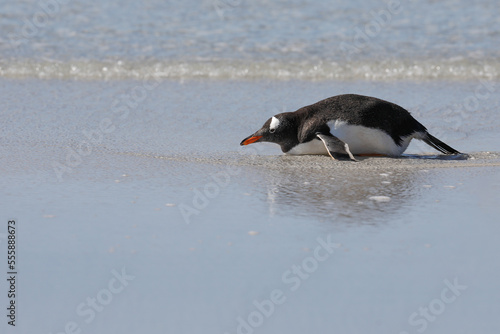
438 144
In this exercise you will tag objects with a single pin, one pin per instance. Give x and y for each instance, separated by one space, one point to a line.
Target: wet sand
211 231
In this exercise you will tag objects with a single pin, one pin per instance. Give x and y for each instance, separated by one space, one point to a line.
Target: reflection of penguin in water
346 125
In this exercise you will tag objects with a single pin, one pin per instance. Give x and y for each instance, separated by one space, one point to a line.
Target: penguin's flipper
336 148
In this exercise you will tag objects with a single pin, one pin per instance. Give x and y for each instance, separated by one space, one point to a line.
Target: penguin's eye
272 130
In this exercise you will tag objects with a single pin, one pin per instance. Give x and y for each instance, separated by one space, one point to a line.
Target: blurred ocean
299 39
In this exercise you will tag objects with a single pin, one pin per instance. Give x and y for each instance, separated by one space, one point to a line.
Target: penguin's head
275 130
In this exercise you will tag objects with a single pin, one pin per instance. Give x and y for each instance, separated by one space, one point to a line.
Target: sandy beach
151 218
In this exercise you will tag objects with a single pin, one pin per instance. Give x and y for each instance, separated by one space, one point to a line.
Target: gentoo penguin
346 125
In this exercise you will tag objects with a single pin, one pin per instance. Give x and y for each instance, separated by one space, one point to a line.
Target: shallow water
209 229
138 211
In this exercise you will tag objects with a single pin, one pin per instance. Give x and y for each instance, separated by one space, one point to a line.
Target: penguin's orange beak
250 140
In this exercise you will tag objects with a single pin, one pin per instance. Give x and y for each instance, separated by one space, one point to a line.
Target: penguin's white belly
364 140
314 146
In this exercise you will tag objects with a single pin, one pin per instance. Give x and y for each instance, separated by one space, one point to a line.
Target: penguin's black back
366 111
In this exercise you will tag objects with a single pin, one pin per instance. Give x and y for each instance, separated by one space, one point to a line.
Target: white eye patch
274 123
